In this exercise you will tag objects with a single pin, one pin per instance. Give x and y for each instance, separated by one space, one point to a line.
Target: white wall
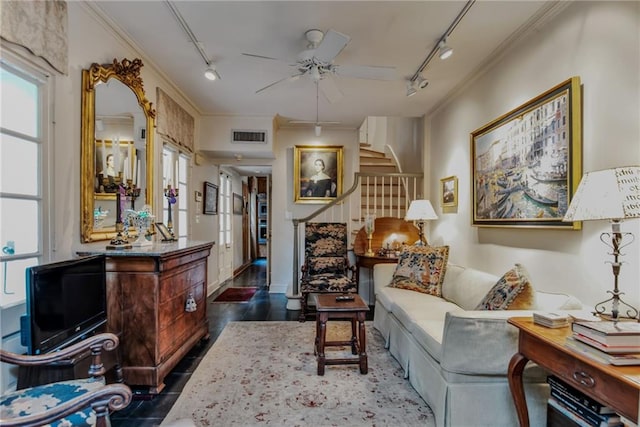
600 43
282 196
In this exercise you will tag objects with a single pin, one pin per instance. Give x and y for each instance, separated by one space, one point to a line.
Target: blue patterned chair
81 402
326 266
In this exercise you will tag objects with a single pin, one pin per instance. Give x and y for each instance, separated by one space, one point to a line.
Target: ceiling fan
317 124
316 61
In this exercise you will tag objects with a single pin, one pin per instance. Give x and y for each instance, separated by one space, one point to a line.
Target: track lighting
211 72
411 88
440 48
445 51
422 82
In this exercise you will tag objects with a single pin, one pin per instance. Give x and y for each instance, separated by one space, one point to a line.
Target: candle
104 156
118 207
115 148
130 161
137 170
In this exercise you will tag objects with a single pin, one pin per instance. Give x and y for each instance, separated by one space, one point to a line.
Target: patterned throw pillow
513 291
421 269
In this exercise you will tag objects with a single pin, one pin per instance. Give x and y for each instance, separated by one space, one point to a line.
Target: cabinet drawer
591 379
174 284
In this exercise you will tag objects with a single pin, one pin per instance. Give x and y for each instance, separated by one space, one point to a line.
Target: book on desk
577 407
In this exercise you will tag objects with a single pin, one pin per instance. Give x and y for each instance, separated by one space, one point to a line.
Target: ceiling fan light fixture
315 73
445 51
422 82
411 88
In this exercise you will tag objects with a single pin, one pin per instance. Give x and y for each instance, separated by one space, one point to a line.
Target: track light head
445 51
422 82
211 73
411 88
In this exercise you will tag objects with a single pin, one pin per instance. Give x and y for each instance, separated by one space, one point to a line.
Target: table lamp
614 195
421 211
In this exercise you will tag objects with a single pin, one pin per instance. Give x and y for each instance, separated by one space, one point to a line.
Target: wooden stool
337 306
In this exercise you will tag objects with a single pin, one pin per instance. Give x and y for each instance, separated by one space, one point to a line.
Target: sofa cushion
512 292
421 269
466 286
557 301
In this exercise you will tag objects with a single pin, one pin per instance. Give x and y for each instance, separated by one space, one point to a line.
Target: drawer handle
584 379
190 306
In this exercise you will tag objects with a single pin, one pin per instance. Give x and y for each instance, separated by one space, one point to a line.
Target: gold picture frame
449 191
526 164
317 173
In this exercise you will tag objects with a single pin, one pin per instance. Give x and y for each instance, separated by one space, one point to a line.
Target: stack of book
550 320
615 343
570 407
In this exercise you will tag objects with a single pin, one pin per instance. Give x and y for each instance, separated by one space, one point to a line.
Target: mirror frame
127 72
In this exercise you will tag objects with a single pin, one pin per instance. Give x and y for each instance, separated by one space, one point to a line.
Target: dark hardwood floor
146 410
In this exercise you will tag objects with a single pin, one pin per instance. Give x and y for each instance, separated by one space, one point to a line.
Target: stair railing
385 194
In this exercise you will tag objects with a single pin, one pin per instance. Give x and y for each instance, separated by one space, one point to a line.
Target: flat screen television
66 302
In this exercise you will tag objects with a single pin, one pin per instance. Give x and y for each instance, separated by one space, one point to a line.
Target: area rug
265 374
243 294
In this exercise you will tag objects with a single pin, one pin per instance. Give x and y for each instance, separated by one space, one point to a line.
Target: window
175 173
24 227
224 210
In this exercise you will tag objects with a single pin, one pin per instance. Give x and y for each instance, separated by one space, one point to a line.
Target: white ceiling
399 34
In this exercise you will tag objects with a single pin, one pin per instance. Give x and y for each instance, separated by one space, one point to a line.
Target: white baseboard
278 288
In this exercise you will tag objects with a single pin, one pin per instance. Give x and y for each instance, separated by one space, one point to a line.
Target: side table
354 310
614 386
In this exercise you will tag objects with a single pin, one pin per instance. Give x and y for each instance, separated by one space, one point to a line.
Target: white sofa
456 357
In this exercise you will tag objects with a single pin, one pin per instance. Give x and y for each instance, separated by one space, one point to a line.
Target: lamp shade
607 194
420 210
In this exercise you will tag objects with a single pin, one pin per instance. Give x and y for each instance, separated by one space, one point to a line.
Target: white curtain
40 27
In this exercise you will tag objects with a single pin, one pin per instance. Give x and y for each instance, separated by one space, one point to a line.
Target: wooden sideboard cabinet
147 293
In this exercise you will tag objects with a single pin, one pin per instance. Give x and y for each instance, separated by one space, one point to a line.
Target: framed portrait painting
449 191
317 173
238 204
210 206
526 164
113 159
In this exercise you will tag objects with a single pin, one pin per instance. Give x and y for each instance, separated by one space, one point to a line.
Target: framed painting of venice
526 164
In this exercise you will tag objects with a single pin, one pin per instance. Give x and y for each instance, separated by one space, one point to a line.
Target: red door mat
236 294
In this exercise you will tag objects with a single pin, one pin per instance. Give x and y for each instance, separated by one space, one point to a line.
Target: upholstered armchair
80 402
326 266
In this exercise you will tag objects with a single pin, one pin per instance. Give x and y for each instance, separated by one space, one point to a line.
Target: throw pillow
421 269
512 292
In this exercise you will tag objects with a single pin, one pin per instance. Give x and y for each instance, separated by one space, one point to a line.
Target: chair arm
96 343
111 397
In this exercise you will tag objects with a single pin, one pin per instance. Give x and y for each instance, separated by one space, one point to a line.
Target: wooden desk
386 230
608 384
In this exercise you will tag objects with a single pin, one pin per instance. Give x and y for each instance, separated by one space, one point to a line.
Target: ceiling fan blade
311 122
270 58
331 45
367 72
330 89
293 77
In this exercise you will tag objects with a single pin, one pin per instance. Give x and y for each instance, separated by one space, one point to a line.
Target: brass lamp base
369 252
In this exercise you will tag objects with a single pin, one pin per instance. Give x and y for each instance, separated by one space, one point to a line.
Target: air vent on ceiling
248 136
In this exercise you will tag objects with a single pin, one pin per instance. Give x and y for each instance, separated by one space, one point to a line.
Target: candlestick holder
369 227
171 194
132 192
119 241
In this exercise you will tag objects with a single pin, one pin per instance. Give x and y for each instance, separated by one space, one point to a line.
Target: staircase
379 189
380 195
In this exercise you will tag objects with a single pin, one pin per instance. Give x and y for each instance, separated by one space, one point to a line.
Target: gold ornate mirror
117 145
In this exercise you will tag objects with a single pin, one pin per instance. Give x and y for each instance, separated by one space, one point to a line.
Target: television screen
66 301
